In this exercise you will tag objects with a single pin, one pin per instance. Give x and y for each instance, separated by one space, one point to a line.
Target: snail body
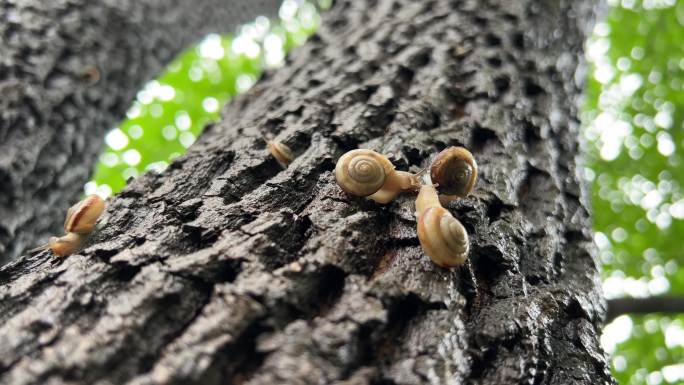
367 173
80 222
396 183
454 170
442 236
67 244
281 152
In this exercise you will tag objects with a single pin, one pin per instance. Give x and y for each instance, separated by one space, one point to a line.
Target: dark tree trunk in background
68 71
227 269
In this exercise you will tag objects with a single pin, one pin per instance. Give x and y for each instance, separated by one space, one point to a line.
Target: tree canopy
634 127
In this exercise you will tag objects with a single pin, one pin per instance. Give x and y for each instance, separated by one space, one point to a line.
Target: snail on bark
442 236
79 223
454 170
367 173
281 152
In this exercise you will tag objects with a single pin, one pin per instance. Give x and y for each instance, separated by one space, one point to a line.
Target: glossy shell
443 237
362 172
281 152
82 216
454 170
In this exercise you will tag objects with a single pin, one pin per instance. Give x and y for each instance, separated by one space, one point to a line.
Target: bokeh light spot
116 139
131 157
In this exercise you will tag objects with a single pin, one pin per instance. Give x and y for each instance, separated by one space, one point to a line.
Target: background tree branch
68 71
657 304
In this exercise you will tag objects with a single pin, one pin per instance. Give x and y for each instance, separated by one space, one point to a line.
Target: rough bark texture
228 269
68 71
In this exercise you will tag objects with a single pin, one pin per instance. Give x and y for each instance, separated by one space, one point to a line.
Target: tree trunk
68 71
228 269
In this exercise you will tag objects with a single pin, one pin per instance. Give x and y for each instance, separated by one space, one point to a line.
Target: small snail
82 216
443 237
367 173
454 170
80 221
281 152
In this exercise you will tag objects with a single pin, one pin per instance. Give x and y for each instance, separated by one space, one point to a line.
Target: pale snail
367 173
281 152
79 223
454 170
442 236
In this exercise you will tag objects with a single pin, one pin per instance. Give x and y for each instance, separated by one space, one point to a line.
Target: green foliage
646 349
635 147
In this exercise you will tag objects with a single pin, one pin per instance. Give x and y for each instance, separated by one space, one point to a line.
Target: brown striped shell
281 152
454 170
443 237
82 216
362 172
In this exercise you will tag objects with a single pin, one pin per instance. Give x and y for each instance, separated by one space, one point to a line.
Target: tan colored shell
66 245
454 170
443 237
362 172
82 216
281 152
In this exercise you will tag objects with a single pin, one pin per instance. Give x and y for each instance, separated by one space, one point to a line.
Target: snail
367 173
454 170
80 221
281 152
82 216
442 236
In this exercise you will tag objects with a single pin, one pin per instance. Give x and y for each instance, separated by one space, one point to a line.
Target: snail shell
454 170
443 237
281 152
82 216
362 172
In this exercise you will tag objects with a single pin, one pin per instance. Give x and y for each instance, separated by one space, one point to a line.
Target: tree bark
68 71
228 269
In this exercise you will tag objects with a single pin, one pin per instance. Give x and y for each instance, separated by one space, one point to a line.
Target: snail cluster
79 223
452 175
361 172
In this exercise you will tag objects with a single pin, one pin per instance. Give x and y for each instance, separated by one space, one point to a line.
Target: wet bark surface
228 269
68 71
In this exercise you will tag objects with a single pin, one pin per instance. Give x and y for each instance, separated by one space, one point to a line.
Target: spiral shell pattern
443 237
455 171
362 172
